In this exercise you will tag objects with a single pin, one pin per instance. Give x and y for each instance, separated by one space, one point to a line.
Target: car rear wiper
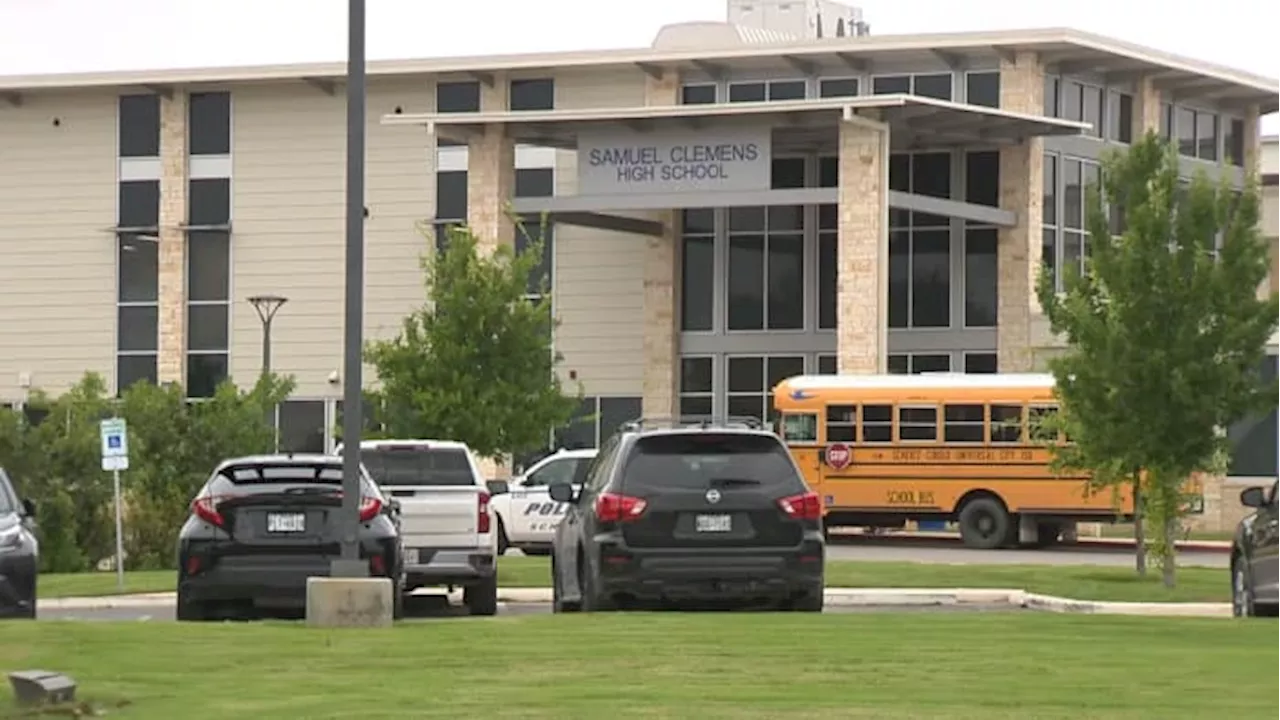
729 481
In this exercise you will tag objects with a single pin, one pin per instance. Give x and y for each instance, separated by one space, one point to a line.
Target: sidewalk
1115 544
835 597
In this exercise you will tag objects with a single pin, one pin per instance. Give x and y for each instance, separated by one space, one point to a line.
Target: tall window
765 281
534 227
208 285
1083 102
1119 116
595 420
210 123
137 243
1065 235
697 270
751 381
697 386
451 204
982 187
1195 132
920 244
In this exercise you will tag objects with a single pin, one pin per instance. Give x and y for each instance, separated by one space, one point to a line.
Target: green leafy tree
475 363
1165 333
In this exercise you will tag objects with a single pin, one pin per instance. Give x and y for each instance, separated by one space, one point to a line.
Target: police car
527 516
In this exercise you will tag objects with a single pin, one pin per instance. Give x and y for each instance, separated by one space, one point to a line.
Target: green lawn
883 666
1081 582
1125 530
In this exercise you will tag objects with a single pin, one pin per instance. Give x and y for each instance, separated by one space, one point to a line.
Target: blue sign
115 444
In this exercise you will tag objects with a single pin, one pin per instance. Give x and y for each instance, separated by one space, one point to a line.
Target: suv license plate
286 522
714 523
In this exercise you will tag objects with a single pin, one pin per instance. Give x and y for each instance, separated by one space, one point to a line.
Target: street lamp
266 307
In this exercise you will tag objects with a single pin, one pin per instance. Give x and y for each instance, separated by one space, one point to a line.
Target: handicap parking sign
115 444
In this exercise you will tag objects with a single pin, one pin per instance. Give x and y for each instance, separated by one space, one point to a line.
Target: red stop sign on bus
839 455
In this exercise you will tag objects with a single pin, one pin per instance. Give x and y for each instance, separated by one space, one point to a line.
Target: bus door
799 431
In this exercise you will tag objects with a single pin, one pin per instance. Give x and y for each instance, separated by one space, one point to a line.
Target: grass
1075 581
1125 530
883 666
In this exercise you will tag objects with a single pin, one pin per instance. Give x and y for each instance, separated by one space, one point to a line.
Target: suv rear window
697 460
418 466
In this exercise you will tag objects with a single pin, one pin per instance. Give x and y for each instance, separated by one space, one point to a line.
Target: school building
728 207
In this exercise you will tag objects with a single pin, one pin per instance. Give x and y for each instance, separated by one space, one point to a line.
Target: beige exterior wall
288 211
661 345
57 256
614 87
171 358
1022 192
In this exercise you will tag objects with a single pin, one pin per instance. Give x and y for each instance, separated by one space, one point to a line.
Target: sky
50 36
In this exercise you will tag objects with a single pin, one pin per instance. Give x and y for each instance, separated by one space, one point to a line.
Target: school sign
613 162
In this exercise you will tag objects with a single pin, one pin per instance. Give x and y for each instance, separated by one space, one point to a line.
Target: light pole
348 563
266 306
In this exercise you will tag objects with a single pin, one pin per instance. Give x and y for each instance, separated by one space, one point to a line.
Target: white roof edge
584 59
719 109
919 382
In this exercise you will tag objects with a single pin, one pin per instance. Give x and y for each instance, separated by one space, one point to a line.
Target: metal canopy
915 122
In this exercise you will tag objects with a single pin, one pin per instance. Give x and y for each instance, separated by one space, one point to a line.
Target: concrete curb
1099 543
835 597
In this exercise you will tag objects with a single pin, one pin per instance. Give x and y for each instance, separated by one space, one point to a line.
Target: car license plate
286 522
714 523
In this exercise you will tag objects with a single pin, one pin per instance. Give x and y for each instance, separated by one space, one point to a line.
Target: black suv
19 553
689 512
1255 567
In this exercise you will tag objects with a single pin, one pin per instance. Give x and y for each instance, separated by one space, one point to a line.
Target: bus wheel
984 523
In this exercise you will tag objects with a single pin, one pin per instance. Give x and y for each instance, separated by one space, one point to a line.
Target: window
1050 201
747 92
1039 422
210 123
458 97
1206 136
1185 130
1234 141
837 87
765 282
531 182
800 427
697 386
963 423
1166 121
787 173
697 270
301 426
916 363
451 204
1077 176
581 430
827 365
698 94
891 85
932 85
1119 117
1083 102
917 424
982 178
842 423
614 411
537 94
828 266
780 90
982 88
137 283
556 471
980 277
209 287
1052 96
535 230
773 90
877 423
920 244
1253 439
751 380
1006 423
139 126
980 363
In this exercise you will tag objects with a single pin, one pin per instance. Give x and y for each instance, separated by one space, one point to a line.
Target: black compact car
676 513
19 553
261 526
1255 562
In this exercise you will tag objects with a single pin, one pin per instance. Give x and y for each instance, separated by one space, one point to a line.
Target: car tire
188 610
812 602
558 603
1242 602
482 598
592 600
503 541
984 524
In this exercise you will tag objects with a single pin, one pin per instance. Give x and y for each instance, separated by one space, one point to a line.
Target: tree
1165 333
475 363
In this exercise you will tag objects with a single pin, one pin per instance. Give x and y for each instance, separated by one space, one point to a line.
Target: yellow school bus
970 449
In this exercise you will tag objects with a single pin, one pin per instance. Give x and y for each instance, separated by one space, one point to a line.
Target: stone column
491 168
862 247
1021 191
1252 140
1146 107
661 331
171 362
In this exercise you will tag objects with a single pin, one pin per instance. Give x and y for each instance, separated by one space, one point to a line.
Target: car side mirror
393 505
29 508
562 492
498 487
1254 497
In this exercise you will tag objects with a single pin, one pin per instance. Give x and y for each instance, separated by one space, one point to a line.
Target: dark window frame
138 125
209 121
531 94
460 96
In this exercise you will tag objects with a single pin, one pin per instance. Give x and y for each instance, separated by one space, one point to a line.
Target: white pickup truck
527 516
447 526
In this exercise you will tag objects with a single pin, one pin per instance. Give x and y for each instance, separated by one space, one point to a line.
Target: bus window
1006 423
962 423
1038 420
799 427
842 423
877 423
918 424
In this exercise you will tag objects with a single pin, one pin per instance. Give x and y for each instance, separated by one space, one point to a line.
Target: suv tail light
805 506
369 508
206 508
482 507
614 508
